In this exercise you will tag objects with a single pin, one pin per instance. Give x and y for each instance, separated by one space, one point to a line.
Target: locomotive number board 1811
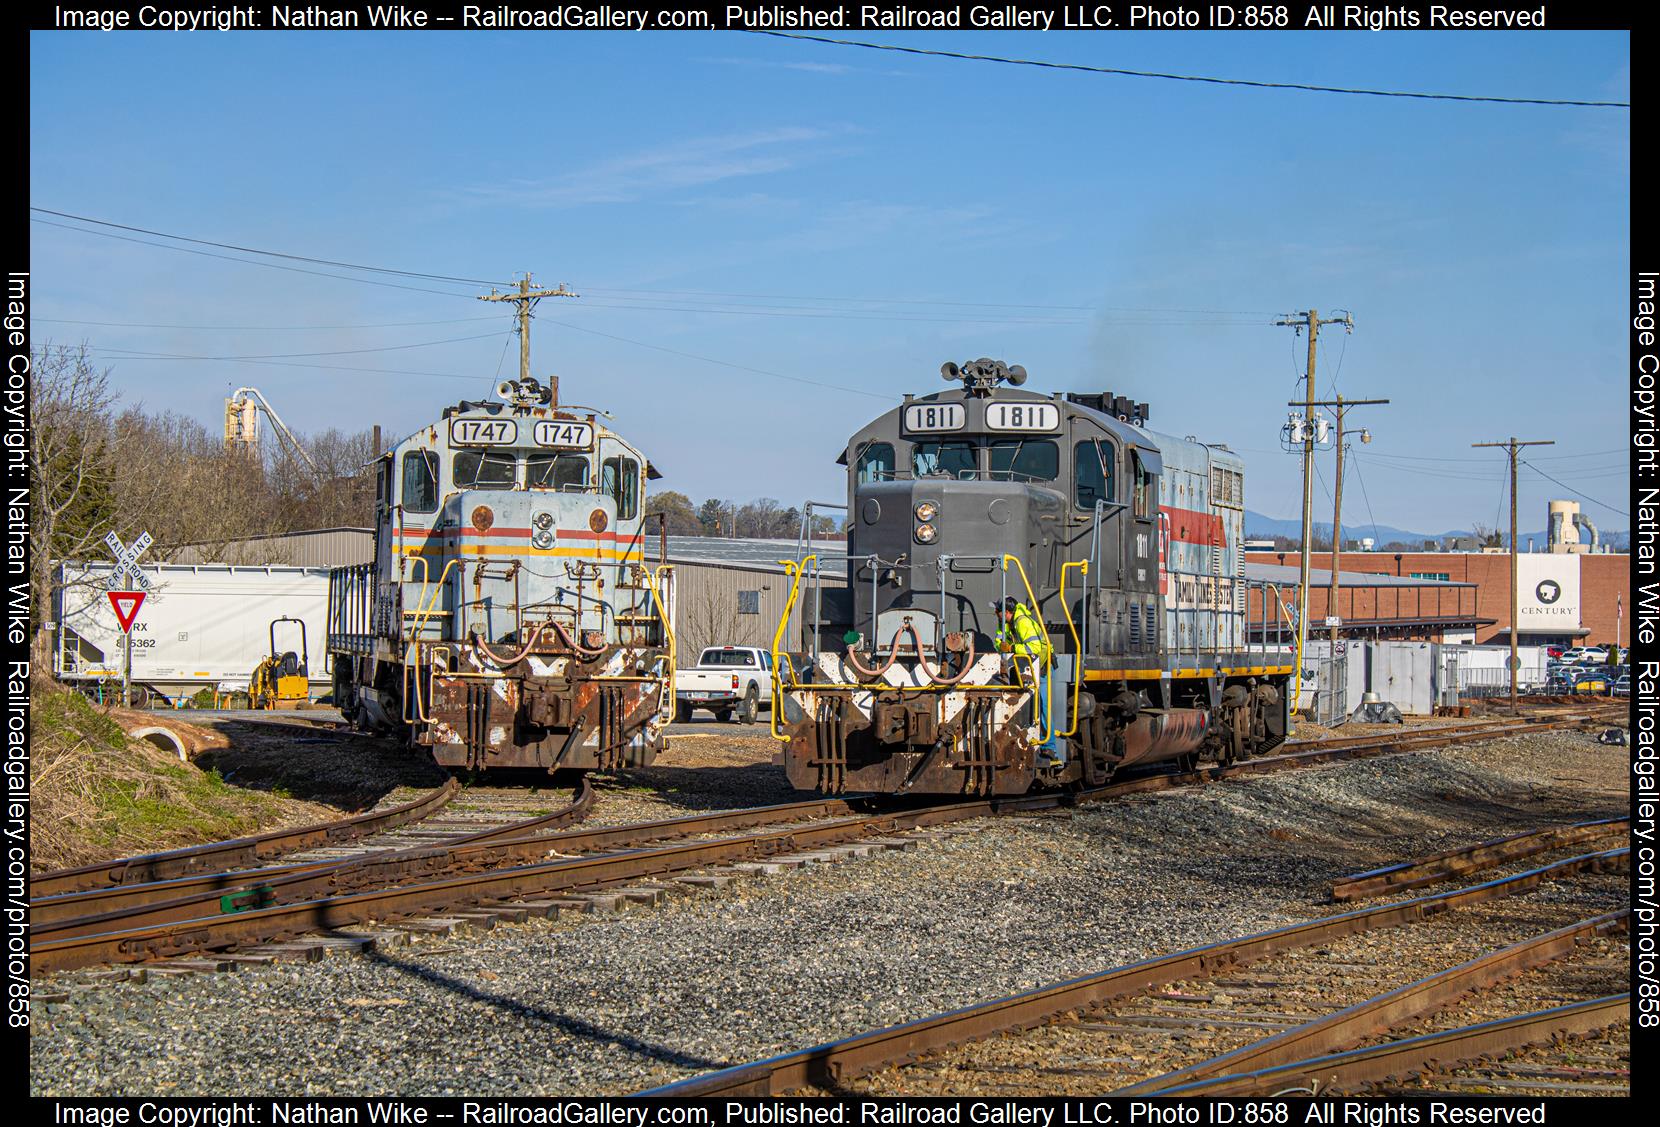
1023 416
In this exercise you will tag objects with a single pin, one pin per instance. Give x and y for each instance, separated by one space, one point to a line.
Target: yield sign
126 604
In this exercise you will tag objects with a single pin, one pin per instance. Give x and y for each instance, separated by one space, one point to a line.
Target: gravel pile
783 962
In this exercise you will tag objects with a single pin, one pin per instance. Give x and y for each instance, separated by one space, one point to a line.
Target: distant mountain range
1258 525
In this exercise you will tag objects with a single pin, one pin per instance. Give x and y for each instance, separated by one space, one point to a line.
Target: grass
98 794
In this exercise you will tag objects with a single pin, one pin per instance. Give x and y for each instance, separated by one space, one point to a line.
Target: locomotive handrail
652 579
793 570
1046 717
1078 659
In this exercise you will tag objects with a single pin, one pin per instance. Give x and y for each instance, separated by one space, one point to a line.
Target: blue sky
853 218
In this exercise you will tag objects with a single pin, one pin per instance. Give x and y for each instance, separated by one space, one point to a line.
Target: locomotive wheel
751 706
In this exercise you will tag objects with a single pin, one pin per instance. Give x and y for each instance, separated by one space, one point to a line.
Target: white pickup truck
727 680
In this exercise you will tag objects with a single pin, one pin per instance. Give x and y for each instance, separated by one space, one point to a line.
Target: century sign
1547 599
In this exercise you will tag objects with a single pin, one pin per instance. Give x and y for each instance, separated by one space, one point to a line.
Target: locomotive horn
1017 375
950 371
505 389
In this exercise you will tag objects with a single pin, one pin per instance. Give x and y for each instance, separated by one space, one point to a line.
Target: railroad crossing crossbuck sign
127 584
126 563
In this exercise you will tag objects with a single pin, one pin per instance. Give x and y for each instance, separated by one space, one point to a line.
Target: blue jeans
1045 722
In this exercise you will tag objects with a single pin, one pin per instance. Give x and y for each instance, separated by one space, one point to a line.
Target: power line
931 301
141 353
1361 477
315 367
259 328
269 253
249 261
1188 77
1574 491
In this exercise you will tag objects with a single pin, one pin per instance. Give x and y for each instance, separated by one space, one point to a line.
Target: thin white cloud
691 163
809 68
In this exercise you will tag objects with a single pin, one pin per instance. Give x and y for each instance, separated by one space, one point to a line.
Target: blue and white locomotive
1124 544
510 618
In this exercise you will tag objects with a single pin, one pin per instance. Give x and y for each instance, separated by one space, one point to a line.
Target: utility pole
1340 405
1310 320
1511 447
526 298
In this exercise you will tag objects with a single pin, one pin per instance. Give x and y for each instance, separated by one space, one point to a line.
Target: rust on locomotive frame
509 618
1127 546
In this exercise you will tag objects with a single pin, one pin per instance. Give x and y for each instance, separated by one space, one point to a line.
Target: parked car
1621 686
1585 655
727 680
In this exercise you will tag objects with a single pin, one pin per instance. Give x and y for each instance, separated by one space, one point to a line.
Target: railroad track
1296 1000
1454 863
213 913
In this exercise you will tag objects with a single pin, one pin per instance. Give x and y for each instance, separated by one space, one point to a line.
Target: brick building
1573 599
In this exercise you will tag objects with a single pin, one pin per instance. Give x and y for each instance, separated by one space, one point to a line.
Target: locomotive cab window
557 471
484 469
620 480
1025 460
420 481
1092 473
875 463
1146 488
951 459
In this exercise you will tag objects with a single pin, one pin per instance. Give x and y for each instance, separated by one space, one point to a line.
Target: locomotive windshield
557 471
952 459
484 469
1025 460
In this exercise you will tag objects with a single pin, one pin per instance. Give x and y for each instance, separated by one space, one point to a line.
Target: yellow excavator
282 679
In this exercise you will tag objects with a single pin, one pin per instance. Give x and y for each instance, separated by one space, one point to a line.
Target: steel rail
1348 1027
153 905
53 912
1418 1054
146 925
242 851
556 876
831 1064
1452 863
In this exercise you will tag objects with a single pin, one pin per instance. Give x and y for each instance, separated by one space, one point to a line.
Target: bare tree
72 474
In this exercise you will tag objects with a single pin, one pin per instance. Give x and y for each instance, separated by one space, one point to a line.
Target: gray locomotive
510 617
1126 545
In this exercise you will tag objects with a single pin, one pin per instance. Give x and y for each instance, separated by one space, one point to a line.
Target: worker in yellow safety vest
1023 636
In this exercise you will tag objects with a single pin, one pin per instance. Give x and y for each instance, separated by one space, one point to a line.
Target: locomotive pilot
1022 637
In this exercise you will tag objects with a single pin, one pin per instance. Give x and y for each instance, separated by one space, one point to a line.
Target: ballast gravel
610 1005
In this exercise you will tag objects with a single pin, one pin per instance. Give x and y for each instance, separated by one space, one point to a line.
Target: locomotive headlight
542 520
541 539
926 534
927 511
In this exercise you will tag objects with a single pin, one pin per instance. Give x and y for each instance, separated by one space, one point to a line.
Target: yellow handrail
652 578
1046 717
794 572
1077 645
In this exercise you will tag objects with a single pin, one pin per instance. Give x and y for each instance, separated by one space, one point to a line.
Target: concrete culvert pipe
163 738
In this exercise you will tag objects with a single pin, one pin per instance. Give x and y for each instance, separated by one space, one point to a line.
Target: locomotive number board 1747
553 433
